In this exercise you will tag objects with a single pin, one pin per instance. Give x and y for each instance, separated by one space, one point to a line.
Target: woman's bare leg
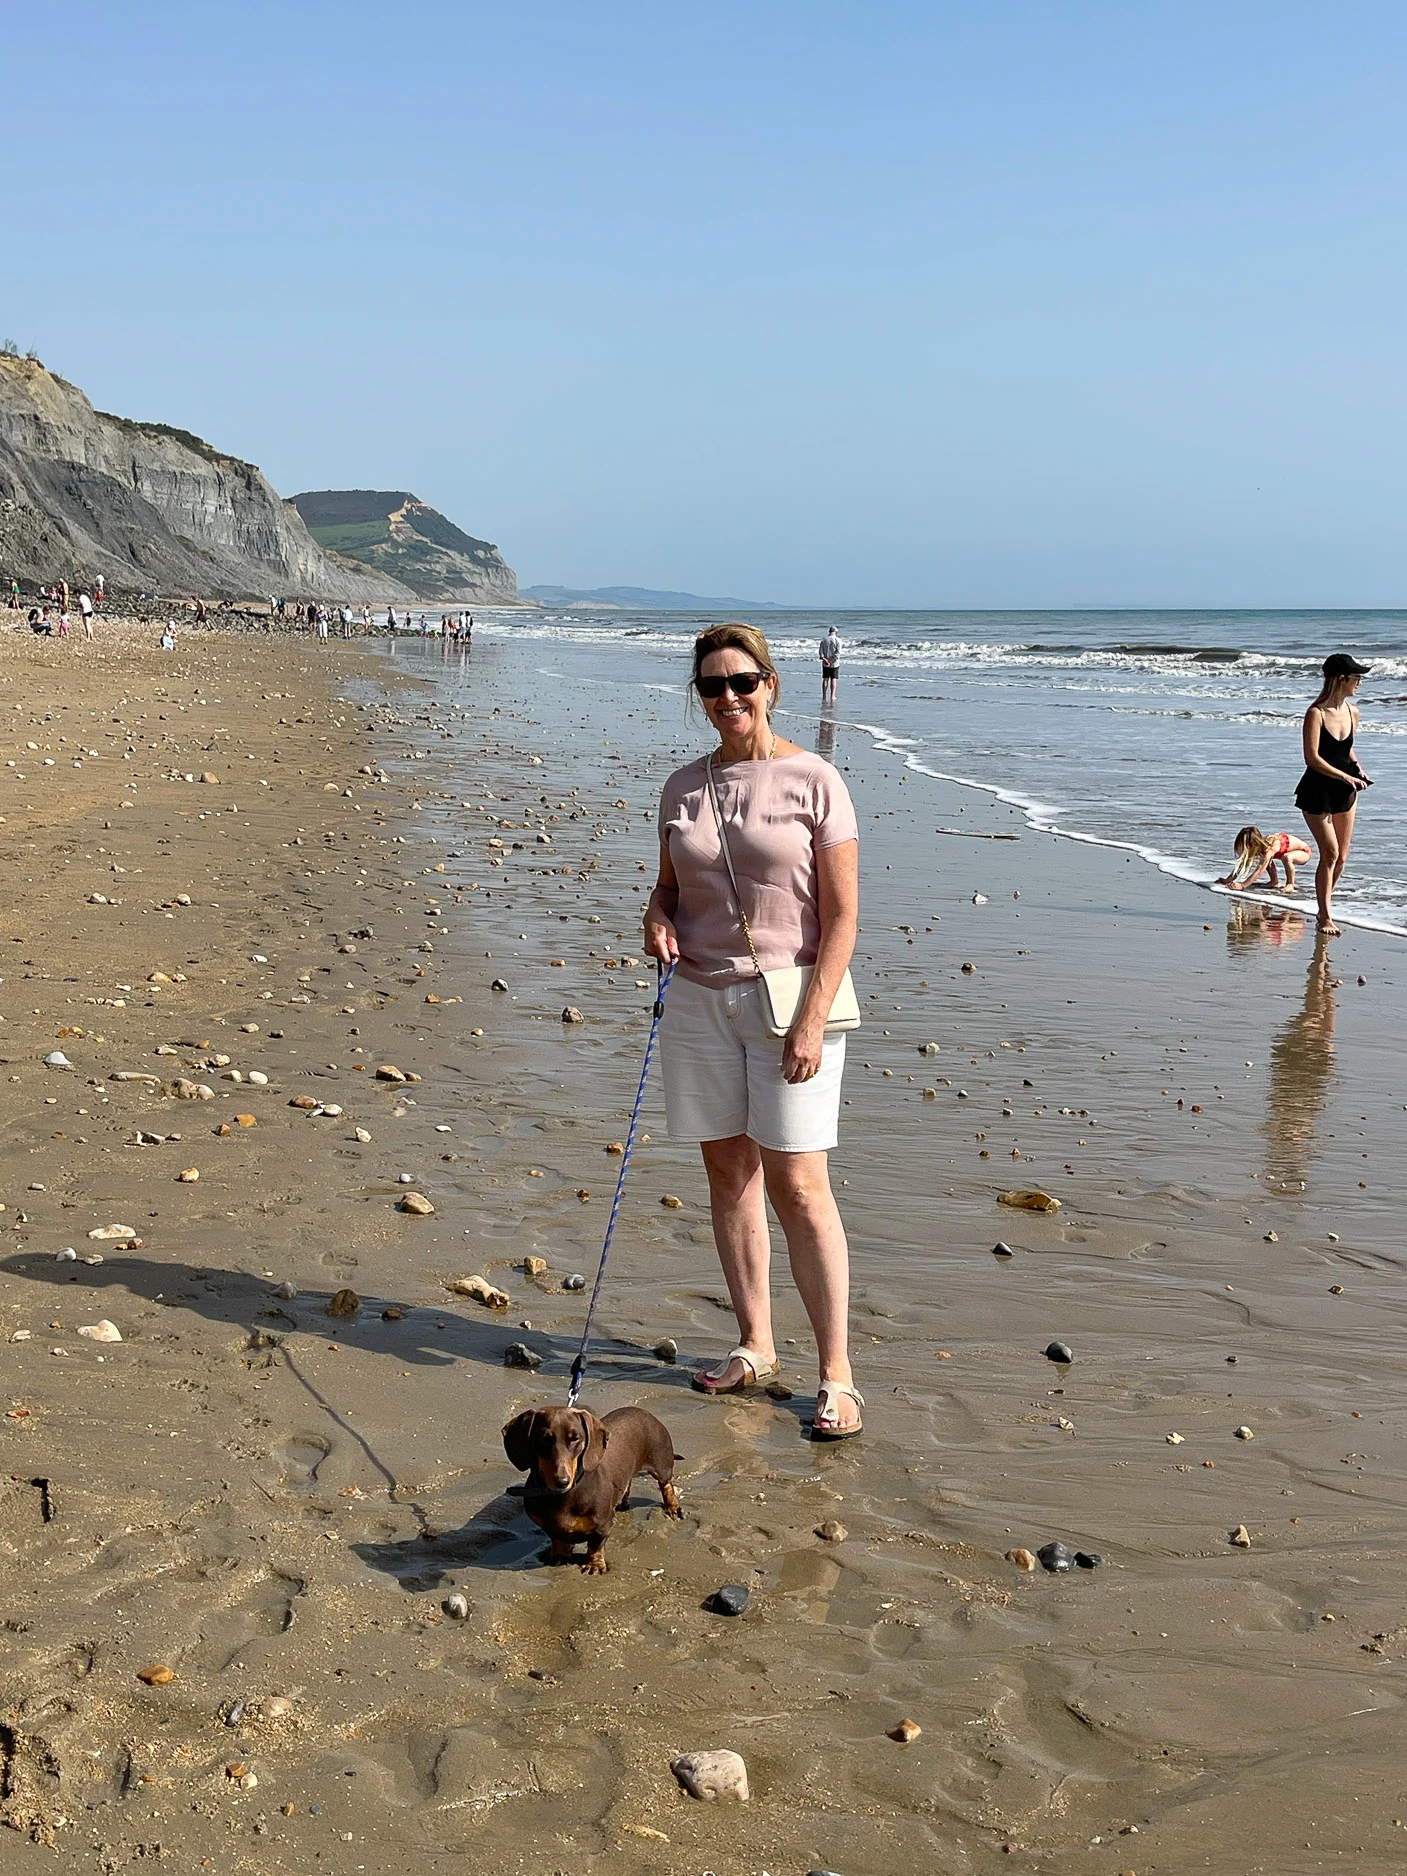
1343 834
799 1187
1325 874
739 1204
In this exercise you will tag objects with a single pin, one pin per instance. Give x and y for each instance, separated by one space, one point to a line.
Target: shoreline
280 1500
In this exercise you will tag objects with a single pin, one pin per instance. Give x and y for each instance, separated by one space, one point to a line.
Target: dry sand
275 1503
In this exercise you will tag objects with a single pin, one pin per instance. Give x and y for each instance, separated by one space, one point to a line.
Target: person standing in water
830 664
1328 791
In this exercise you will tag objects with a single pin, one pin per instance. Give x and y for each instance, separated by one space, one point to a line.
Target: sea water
1160 731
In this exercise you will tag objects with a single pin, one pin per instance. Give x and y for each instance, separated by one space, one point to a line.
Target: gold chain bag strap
783 991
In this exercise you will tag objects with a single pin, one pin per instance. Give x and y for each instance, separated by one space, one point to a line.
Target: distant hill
639 598
402 537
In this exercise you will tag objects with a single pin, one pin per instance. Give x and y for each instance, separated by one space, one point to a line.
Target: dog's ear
596 1438
518 1438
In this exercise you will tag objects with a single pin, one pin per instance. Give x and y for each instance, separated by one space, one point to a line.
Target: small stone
249 1029
979 898
306 1102
157 1675
1173 1439
928 1048
392 1314
188 1175
904 1731
246 1120
534 1266
572 1014
111 1233
285 1291
519 1355
389 1072
1240 1537
344 1303
360 1133
731 1599
1271 1237
671 1203
416 1204
1054 1557
1088 1560
575 1282
103 1331
583 1194
1002 1250
667 1350
1244 1433
66 1256
158 977
258 1078
1024 1201
711 1775
616 1146
498 983
210 780
1336 1289
480 1289
57 1059
832 1531
1022 1558
1059 1352
968 969
457 1606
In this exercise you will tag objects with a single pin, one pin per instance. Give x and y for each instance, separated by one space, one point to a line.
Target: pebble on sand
306 1102
457 1607
671 1203
1022 1558
519 1355
389 1072
499 983
667 1350
188 1175
416 1204
1054 1557
111 1232
711 1775
1002 1250
1244 1433
1027 1201
832 1531
103 1331
904 1731
575 1282
572 1014
480 1289
534 1266
1240 1537
344 1303
1059 1352
158 1675
57 1059
285 1291
360 1133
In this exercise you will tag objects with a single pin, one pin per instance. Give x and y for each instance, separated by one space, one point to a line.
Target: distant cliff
399 535
150 508
641 599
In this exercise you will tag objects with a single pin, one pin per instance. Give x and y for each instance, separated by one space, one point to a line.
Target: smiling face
737 719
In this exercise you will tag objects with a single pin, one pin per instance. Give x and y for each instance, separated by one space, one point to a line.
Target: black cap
1342 665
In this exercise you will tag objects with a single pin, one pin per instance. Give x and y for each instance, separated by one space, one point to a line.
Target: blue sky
914 305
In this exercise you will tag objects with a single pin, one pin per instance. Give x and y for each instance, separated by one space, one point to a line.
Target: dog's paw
595 1564
672 1506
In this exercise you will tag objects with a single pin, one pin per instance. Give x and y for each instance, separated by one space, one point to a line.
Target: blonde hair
1251 848
735 636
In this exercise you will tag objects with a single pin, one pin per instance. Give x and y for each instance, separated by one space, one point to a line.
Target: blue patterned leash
662 978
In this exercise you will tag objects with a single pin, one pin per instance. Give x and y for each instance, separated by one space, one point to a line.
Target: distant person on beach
85 606
830 664
763 1108
14 595
39 621
1257 854
168 636
1333 779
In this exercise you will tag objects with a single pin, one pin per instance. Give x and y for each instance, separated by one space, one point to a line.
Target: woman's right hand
661 939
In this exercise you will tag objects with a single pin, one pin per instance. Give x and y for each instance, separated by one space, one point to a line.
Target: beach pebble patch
712 1775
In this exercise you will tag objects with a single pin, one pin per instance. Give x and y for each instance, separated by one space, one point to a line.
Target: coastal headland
247 875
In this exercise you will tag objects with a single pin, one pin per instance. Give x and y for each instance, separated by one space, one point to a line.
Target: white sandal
826 1424
757 1370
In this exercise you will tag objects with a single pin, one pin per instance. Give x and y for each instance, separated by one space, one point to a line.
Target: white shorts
723 1074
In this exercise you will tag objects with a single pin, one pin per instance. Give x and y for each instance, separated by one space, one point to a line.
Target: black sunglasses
741 683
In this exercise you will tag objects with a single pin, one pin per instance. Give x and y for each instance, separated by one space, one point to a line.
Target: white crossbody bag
783 991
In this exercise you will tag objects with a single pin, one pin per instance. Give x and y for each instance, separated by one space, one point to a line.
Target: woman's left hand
801 1056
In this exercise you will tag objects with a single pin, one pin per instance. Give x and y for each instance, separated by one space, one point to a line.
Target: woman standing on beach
764 1109
1328 790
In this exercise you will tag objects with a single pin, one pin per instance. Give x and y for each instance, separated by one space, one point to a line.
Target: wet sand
275 1502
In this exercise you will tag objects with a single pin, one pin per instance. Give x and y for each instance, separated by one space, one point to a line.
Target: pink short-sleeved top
779 814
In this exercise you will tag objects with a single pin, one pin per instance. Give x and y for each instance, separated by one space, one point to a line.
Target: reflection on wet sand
825 738
1301 1067
1251 925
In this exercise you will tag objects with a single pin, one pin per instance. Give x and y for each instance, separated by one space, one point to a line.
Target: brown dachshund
579 1472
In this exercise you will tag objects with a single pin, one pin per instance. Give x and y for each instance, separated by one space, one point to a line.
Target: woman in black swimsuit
1328 791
